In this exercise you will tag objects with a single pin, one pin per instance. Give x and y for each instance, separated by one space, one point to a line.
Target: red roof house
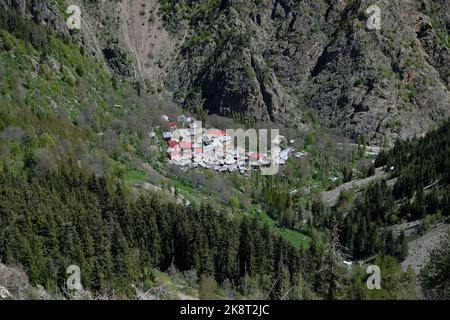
186 144
216 132
172 143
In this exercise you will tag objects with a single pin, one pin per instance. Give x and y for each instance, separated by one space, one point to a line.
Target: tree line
50 221
419 162
421 189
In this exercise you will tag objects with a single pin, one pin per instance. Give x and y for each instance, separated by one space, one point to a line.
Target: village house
172 126
167 135
172 143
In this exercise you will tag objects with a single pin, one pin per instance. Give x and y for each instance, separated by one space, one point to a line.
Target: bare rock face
117 60
438 53
41 11
272 59
14 285
4 293
45 13
18 6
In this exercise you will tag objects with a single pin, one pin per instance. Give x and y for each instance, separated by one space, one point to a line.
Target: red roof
216 132
172 143
172 124
256 155
186 144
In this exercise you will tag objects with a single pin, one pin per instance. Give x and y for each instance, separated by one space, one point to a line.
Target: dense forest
420 189
51 221
419 163
48 222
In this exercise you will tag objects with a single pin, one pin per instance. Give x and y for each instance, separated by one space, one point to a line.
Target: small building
152 135
167 135
215 132
172 126
225 139
186 145
299 154
194 125
284 154
198 150
165 118
207 140
184 134
172 143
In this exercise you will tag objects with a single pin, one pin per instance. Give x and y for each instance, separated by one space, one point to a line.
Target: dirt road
330 198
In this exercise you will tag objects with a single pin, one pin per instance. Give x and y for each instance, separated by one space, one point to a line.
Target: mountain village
191 146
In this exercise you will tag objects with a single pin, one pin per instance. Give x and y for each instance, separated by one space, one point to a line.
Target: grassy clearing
135 176
294 237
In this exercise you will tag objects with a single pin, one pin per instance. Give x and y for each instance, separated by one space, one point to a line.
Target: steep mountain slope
273 59
276 57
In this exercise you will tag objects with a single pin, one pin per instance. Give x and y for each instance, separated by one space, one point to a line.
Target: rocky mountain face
41 11
275 59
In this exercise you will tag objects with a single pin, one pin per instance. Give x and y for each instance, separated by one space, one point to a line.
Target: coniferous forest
419 176
51 221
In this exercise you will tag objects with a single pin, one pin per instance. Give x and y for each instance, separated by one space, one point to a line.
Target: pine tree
401 247
282 286
246 249
361 239
332 270
389 243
